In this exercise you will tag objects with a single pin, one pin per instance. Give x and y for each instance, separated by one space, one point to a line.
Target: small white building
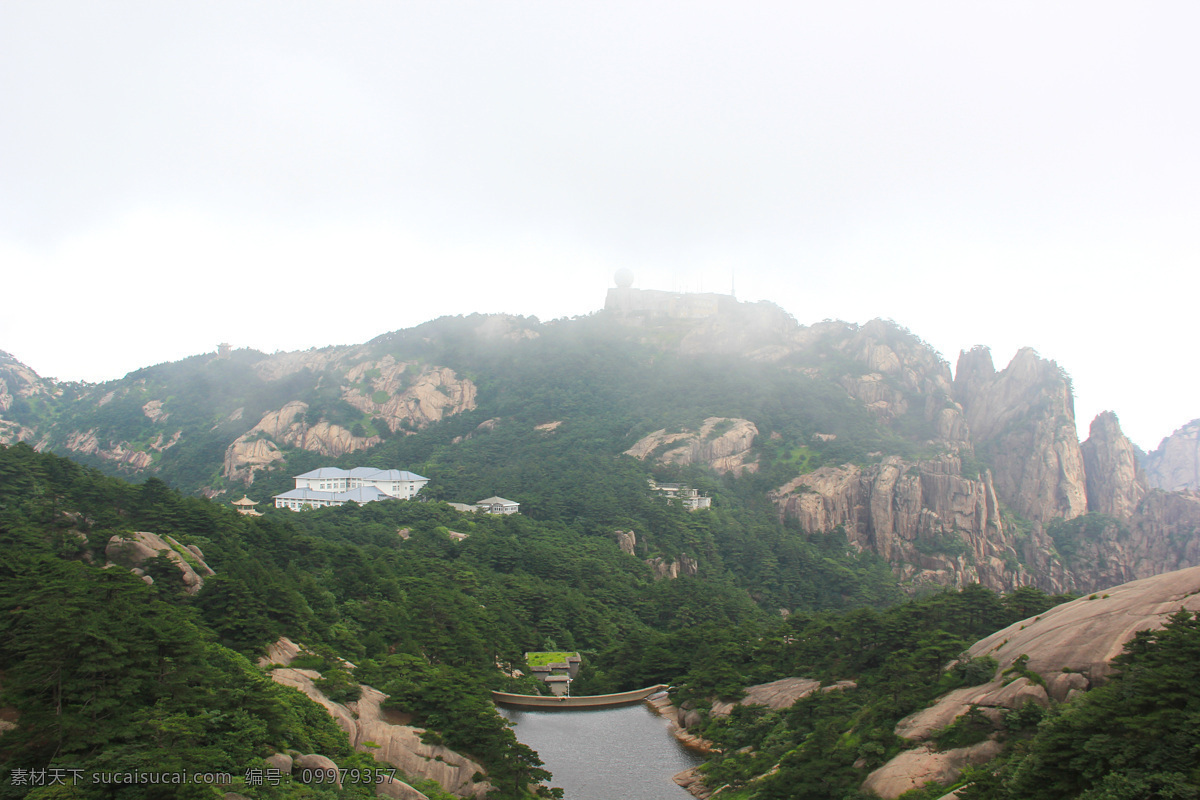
689 498
498 505
331 486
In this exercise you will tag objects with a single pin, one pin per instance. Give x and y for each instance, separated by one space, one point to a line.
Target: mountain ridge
871 403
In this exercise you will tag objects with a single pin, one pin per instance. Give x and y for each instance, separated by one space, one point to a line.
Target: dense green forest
104 673
91 655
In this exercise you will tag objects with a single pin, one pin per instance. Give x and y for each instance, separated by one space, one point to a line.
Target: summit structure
624 299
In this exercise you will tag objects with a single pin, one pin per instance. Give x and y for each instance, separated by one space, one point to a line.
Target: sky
287 175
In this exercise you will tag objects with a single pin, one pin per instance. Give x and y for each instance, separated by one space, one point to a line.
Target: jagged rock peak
1115 482
1175 465
1022 420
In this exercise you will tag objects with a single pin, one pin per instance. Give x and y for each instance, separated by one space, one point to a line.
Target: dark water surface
622 753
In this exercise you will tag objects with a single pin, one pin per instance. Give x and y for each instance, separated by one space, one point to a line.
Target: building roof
396 475
497 501
325 472
245 501
363 494
365 473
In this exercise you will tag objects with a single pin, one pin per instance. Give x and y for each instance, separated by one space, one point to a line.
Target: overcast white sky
282 175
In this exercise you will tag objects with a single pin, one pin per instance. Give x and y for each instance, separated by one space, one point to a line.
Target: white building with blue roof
331 486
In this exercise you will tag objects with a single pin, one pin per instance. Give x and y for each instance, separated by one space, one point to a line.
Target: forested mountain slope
832 428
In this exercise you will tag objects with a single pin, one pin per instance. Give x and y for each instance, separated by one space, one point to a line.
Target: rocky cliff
897 376
259 447
1175 465
1022 421
933 524
1115 482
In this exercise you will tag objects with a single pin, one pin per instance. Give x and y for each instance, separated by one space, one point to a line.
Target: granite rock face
663 569
902 375
259 447
932 523
1115 482
406 395
134 550
1175 465
775 695
1070 647
912 769
1022 421
721 443
364 720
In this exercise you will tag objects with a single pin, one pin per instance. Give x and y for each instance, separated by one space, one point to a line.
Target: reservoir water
624 753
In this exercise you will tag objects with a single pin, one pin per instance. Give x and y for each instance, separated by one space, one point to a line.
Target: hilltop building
689 498
624 299
492 505
498 505
331 486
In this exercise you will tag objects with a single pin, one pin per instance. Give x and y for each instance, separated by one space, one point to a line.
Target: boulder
775 695
133 550
318 763
912 769
281 762
693 781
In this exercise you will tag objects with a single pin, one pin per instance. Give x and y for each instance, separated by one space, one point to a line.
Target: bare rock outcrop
722 443
1022 420
912 769
692 780
1098 551
1115 482
281 365
365 721
135 549
317 762
405 395
900 370
259 447
397 790
121 453
933 524
775 695
663 569
627 541
679 719
282 652
1175 465
1069 647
